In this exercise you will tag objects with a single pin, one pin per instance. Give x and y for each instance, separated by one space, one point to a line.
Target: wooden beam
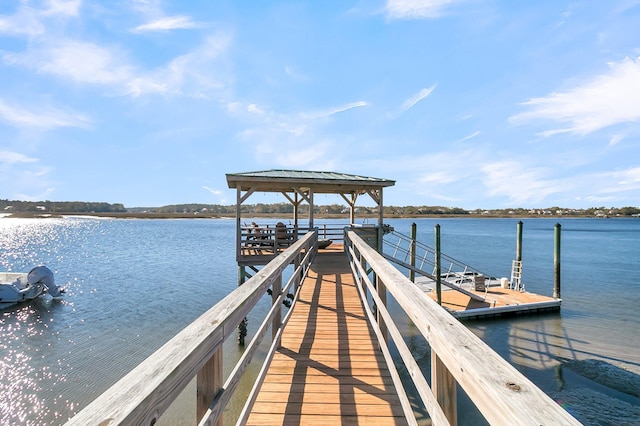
208 384
443 385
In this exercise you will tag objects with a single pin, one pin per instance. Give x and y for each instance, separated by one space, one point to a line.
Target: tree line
59 207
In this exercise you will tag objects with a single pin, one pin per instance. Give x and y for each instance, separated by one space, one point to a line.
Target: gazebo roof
318 182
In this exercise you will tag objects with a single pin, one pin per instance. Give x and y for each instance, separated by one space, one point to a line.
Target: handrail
453 276
500 392
148 390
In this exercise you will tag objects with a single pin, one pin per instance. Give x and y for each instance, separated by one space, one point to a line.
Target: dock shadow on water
596 387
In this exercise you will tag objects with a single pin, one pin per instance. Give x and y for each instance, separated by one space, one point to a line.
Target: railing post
443 385
208 383
277 318
382 294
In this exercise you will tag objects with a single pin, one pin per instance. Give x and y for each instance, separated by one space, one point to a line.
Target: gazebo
299 186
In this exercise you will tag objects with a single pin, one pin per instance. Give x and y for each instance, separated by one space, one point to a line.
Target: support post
412 251
242 327
208 383
443 385
438 265
556 261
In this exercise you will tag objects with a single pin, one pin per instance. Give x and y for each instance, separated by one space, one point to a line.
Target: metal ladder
516 276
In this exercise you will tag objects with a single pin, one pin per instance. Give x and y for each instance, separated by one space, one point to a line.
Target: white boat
21 287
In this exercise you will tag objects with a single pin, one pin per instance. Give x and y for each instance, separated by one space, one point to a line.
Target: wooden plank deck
499 301
328 369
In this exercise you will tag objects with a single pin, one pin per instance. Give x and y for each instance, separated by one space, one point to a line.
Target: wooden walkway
328 369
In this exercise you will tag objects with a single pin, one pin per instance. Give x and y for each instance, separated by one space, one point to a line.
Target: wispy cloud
80 61
168 23
9 157
43 118
471 136
417 9
313 115
211 190
63 7
604 100
31 21
522 185
83 62
413 100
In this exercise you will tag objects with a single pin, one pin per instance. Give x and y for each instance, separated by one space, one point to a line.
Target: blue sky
469 103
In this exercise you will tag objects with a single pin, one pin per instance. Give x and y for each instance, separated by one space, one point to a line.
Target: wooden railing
143 395
499 391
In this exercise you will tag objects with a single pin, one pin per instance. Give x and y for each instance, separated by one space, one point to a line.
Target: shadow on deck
328 369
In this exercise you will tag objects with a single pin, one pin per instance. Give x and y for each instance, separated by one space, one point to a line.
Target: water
134 284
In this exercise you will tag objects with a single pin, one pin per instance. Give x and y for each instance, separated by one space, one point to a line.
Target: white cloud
521 185
189 74
8 157
63 7
314 115
88 63
30 21
44 118
80 61
471 136
412 101
168 23
603 101
416 9
24 22
213 191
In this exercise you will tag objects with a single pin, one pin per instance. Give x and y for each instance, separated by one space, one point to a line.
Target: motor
43 275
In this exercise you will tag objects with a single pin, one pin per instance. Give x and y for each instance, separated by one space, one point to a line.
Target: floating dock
497 301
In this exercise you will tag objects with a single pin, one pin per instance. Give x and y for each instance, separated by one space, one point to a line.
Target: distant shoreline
148 215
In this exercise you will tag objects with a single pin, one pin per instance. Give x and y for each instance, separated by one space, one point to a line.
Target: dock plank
328 369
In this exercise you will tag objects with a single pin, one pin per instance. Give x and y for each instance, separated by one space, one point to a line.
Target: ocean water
134 284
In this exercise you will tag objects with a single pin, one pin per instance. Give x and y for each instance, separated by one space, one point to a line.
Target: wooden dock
328 369
497 301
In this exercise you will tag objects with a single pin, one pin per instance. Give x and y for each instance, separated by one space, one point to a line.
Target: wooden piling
519 241
438 265
412 252
556 261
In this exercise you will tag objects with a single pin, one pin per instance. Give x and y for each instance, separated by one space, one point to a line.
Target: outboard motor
43 275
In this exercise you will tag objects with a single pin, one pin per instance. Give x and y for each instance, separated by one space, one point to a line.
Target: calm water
133 284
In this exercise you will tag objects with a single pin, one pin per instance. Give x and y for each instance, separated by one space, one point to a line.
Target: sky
464 103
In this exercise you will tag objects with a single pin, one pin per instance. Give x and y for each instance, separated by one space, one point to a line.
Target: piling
412 251
556 261
519 241
437 262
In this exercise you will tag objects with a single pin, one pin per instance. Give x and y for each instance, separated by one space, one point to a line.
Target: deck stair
398 248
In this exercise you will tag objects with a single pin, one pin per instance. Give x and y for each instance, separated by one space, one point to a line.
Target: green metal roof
319 181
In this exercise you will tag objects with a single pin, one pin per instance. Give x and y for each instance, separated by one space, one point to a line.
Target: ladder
516 276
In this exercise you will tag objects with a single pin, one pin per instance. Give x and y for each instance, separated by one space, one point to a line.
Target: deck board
328 369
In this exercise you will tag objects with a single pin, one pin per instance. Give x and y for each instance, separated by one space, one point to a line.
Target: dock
328 368
335 350
497 301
